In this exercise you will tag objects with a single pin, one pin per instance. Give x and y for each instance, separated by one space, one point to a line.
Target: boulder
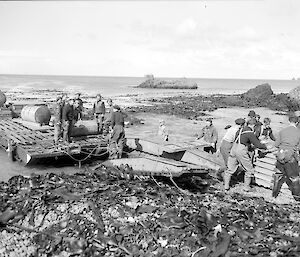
263 91
152 82
295 93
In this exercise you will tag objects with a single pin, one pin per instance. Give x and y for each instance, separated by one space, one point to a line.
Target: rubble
102 213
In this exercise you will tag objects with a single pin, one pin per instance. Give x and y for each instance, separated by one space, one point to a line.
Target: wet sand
180 130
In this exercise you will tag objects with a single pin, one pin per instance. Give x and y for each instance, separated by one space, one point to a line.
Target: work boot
227 178
247 182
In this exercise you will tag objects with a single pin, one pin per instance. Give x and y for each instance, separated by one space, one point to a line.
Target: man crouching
242 154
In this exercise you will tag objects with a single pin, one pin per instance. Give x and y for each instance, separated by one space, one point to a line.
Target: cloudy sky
210 39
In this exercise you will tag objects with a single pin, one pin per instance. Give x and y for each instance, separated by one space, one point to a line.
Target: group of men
67 111
239 144
250 137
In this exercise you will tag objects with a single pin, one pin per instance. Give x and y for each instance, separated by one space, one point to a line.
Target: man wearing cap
210 136
258 124
251 115
57 119
99 112
79 107
240 154
67 120
118 134
287 169
228 139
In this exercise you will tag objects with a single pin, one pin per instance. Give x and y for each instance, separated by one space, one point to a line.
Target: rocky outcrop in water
152 82
263 92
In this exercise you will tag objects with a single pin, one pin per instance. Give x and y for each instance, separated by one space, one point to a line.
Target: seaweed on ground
104 214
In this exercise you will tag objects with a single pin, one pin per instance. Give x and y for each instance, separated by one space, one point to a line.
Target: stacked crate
264 170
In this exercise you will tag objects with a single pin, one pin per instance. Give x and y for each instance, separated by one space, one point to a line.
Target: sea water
116 86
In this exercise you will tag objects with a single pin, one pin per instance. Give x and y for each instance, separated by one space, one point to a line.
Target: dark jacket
267 132
68 112
257 129
99 107
80 103
117 118
248 138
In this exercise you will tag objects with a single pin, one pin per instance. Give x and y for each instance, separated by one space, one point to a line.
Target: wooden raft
264 170
31 144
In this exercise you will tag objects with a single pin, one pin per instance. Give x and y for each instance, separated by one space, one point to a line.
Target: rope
85 158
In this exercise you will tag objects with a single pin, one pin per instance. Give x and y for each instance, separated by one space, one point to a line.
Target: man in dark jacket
57 119
67 120
99 112
287 168
118 134
79 107
240 154
266 131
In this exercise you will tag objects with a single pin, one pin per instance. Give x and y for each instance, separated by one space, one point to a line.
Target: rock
263 91
152 82
295 93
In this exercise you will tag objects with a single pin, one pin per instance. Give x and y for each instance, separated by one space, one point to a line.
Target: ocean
118 86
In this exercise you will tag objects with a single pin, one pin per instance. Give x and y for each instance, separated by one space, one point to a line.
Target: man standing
57 119
210 136
99 112
118 134
78 110
228 139
287 169
107 121
67 120
240 154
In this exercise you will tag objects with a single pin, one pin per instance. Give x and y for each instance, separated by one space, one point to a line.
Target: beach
140 216
183 123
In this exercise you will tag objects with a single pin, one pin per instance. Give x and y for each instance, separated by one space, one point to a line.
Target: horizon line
120 76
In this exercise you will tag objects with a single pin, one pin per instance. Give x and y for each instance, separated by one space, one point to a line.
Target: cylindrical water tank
2 98
36 113
85 128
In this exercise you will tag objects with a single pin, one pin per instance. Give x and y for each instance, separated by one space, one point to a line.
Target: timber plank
266 160
265 165
264 171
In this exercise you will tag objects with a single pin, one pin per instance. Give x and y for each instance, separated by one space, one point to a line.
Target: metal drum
36 113
2 98
84 128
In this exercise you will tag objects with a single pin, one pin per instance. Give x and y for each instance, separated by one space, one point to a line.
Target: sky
257 39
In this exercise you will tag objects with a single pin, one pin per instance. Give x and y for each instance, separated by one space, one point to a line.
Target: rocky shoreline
195 107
